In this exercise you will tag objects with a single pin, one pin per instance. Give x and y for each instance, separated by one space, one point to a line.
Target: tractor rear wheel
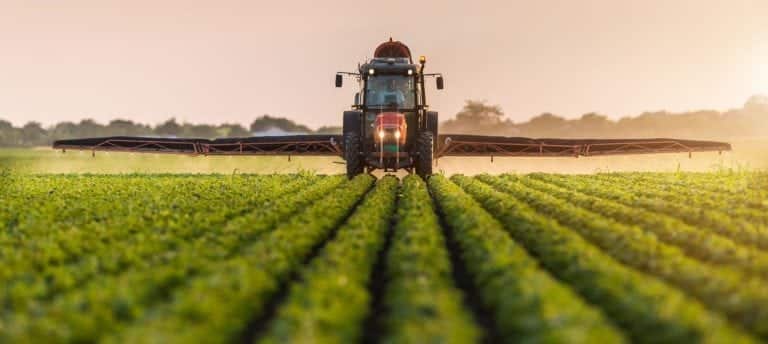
425 146
352 154
432 123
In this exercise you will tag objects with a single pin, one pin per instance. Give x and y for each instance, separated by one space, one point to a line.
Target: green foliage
331 300
703 245
146 261
218 306
477 117
525 301
648 309
740 217
641 257
33 133
268 122
741 297
422 305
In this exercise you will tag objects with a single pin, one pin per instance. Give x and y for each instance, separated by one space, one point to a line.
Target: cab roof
389 65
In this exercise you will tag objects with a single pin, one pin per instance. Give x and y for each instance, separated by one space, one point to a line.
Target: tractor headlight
397 134
381 134
371 71
410 72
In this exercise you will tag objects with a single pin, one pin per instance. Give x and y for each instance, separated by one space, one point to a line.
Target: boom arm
257 145
448 145
477 145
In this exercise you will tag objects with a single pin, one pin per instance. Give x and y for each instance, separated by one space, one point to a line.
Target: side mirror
357 98
338 80
440 82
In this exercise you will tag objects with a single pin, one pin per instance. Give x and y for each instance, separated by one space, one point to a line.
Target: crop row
739 230
219 307
331 300
144 246
421 303
703 245
63 227
648 309
105 304
305 258
745 188
736 203
741 298
525 301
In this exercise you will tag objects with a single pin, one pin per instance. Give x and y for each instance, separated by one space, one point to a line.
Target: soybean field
307 258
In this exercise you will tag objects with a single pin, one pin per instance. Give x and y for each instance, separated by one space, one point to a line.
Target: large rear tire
352 142
353 122
424 160
352 154
432 123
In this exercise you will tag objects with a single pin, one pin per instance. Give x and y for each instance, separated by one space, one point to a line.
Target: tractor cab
390 123
390 105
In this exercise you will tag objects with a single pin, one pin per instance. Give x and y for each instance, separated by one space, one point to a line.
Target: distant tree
547 119
121 127
545 124
199 130
477 117
330 130
64 130
268 122
5 125
480 113
649 124
169 128
233 130
89 127
9 136
33 134
592 124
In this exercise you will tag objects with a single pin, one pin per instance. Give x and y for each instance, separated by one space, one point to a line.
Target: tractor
390 126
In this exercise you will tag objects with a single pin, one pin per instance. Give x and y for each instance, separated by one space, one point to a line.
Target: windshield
390 91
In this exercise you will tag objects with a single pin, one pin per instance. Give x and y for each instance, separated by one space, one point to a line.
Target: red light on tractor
391 127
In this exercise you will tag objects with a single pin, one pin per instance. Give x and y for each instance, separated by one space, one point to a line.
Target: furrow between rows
421 302
105 304
218 307
148 248
648 309
525 302
741 231
330 301
703 245
747 205
743 299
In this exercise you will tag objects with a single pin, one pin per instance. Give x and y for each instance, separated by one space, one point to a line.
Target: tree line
750 121
34 134
477 117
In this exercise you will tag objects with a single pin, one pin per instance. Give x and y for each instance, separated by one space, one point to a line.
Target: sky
232 61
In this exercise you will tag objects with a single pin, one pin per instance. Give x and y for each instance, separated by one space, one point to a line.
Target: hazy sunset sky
231 61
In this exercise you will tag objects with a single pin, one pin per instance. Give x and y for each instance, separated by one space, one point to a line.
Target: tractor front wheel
424 160
352 154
